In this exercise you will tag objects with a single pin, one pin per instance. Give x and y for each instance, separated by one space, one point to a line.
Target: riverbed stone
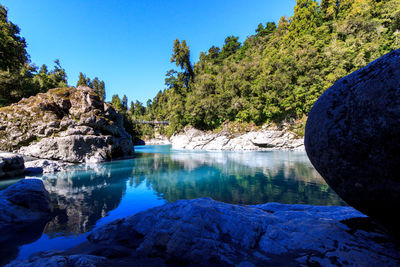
352 138
11 165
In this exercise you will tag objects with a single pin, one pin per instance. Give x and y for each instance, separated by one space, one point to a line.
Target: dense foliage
279 72
19 77
274 75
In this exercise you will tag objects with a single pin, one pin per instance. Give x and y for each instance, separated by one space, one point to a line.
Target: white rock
270 138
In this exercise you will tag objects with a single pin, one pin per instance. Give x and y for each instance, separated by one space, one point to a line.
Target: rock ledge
205 232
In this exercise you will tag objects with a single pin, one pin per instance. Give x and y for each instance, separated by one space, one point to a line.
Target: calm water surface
89 196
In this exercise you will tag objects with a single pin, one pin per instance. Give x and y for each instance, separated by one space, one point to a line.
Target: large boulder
204 232
11 165
23 203
24 212
352 138
69 124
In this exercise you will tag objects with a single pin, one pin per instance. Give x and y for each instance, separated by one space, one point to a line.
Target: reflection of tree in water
246 178
83 196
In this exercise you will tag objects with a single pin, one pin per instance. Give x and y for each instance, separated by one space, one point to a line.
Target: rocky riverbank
268 138
17 165
210 233
67 124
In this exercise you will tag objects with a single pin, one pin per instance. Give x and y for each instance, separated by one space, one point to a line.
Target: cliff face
69 124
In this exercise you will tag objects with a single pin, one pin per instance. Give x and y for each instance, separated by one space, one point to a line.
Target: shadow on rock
24 212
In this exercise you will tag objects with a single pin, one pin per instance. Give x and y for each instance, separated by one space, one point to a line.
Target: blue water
89 196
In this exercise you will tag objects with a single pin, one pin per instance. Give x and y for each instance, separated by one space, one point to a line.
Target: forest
19 77
275 75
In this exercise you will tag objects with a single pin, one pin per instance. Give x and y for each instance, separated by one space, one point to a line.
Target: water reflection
89 196
235 177
82 196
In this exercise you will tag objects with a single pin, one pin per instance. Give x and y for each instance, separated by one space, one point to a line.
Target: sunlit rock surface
207 232
269 138
68 124
353 139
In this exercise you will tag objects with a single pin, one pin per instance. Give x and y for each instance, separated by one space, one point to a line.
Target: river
88 196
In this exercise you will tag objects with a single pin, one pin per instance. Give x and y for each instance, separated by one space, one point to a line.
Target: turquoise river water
89 196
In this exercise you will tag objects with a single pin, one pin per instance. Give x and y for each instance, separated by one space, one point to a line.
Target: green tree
124 103
15 71
330 8
269 28
278 73
58 75
116 102
181 57
13 55
83 80
139 109
131 108
230 47
99 87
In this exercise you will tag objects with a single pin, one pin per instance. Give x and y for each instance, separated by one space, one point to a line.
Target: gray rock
269 138
69 124
23 203
353 139
52 259
207 232
11 165
203 230
24 212
79 148
45 166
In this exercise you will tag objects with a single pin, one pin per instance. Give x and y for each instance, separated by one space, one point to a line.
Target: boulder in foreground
24 212
22 204
210 233
352 138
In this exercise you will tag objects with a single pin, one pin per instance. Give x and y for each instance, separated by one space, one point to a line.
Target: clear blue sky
128 43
